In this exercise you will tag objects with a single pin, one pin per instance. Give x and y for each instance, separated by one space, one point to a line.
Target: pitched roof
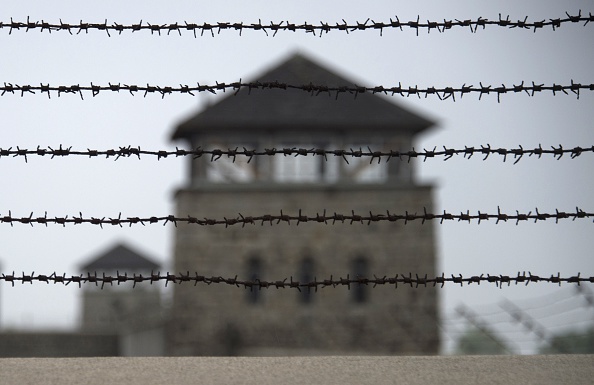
275 109
122 258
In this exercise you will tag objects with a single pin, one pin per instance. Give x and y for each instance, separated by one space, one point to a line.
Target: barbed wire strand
216 154
402 279
286 26
301 218
443 93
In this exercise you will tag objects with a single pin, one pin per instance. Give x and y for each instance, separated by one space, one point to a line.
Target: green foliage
571 342
475 342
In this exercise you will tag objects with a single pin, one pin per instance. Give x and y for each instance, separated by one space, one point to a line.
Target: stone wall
56 344
118 309
223 320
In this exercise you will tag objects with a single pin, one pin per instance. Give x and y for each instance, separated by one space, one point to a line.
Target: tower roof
277 110
120 257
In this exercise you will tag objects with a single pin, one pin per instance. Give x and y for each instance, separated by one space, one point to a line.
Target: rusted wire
301 218
216 154
287 26
402 279
442 93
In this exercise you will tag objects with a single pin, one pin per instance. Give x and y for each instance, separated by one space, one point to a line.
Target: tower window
360 269
230 169
254 270
297 169
306 274
361 170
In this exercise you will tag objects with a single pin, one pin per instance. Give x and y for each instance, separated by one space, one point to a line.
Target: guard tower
223 320
116 309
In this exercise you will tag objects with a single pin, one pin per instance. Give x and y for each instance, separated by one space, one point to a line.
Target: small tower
226 320
115 309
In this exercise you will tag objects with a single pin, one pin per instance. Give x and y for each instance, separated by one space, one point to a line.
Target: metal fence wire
302 218
443 93
215 154
285 26
402 279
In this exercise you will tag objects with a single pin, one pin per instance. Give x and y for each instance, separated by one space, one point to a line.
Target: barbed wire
301 218
287 26
403 279
443 93
216 154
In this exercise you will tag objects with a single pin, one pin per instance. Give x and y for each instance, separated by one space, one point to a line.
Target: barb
402 279
300 218
287 26
312 89
216 154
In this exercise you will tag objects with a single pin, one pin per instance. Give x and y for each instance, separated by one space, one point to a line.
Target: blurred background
104 188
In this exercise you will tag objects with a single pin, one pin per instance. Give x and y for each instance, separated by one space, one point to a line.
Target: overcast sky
99 187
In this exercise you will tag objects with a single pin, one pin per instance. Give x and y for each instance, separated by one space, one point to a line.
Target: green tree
480 341
572 342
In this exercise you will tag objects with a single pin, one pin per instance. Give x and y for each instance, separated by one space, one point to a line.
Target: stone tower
133 314
226 320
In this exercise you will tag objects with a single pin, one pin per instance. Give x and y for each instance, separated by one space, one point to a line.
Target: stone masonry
219 320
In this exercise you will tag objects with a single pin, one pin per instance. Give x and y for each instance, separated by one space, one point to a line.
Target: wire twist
403 279
301 218
442 93
216 154
287 26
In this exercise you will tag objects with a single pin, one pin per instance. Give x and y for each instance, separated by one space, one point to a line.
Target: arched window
306 274
254 273
360 269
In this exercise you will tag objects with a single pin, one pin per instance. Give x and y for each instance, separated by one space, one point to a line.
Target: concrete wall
525 370
220 320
